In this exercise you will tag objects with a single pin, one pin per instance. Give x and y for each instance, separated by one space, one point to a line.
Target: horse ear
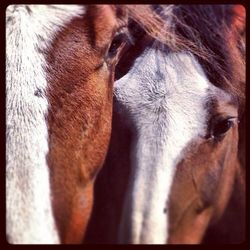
237 27
239 17
102 19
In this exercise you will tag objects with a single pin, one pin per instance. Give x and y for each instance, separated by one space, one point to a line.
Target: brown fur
207 182
212 208
79 119
216 184
110 187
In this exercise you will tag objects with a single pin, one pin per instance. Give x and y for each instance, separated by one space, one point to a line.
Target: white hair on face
29 28
163 96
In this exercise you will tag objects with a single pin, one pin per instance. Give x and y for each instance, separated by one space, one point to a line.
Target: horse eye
220 127
116 44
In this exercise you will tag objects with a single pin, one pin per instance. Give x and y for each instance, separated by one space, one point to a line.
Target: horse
175 173
59 84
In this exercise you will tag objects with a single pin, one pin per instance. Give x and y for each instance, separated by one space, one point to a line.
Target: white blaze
29 217
163 96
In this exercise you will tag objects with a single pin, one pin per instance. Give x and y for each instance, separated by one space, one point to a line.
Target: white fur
28 197
163 97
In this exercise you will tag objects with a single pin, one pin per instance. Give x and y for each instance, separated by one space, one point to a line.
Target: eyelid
231 118
122 37
224 117
123 31
216 120
234 119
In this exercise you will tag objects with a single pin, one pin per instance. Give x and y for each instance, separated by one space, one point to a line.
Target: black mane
206 29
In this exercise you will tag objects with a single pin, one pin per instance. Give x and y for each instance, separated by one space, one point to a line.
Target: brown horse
60 65
175 170
82 59
60 62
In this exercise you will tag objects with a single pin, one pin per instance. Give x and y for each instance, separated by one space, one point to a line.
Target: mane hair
210 27
203 30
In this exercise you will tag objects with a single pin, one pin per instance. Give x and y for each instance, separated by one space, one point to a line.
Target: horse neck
28 33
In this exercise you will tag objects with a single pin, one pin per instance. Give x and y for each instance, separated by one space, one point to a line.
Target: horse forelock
210 28
205 31
29 32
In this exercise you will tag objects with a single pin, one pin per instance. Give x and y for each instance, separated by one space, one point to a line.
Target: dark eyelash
121 37
123 31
